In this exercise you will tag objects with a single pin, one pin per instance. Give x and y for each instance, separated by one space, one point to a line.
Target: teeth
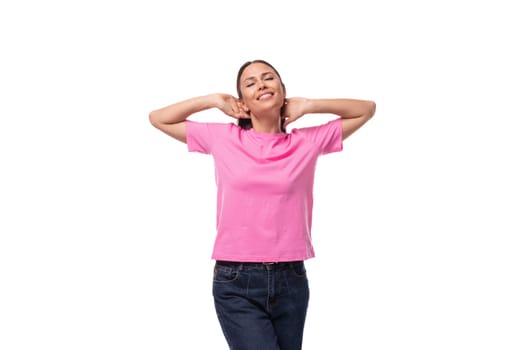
264 96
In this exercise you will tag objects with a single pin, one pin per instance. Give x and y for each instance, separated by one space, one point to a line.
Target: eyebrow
262 75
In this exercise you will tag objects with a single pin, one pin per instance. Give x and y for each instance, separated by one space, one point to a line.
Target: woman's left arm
354 113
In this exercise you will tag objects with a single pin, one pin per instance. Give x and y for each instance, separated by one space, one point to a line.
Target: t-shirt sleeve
198 137
201 137
328 137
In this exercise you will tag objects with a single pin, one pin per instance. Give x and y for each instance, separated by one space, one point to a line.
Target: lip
264 94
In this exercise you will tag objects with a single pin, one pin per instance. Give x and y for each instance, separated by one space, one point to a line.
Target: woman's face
261 88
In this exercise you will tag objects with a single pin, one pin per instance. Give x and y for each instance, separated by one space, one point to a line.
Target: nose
261 85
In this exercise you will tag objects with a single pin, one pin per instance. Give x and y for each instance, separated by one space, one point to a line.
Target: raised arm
354 113
171 119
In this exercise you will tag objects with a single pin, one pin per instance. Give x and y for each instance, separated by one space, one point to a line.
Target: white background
107 224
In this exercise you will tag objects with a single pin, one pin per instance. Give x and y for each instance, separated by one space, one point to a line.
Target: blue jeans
261 306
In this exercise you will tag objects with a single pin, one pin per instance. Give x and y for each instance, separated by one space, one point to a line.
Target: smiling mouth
265 96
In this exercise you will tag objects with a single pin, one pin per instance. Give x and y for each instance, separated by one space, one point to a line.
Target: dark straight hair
246 123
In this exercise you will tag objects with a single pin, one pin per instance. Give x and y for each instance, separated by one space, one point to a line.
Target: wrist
311 106
207 101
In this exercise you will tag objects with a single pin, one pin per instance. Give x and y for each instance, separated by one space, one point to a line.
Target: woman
264 179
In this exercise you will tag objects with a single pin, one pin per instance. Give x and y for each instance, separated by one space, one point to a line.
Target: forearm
180 111
345 108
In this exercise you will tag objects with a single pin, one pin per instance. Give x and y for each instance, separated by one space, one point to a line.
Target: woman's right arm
171 119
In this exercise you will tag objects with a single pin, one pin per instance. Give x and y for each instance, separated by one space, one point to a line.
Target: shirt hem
259 259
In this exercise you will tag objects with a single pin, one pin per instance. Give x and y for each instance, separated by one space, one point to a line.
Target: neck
266 124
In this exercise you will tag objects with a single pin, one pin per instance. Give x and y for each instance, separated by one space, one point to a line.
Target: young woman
264 177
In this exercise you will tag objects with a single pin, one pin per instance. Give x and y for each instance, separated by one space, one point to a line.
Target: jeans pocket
299 269
222 274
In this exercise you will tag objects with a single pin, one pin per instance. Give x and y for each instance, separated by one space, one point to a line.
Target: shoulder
332 126
208 137
211 127
327 137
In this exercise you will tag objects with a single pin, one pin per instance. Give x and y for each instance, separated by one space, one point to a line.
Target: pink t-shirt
264 187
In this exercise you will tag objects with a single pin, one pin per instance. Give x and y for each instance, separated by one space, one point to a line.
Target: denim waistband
266 265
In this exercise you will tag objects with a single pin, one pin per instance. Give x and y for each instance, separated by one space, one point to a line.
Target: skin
263 95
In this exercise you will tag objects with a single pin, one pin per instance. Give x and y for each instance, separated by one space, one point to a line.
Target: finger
287 121
242 109
236 111
231 112
240 115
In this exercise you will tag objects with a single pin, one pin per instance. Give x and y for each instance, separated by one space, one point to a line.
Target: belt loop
270 265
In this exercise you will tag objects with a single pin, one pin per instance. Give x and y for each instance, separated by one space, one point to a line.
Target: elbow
153 119
371 109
